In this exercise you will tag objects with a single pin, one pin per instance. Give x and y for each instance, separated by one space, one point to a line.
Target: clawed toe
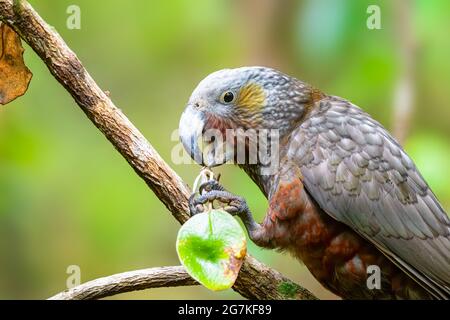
232 204
194 206
210 185
211 191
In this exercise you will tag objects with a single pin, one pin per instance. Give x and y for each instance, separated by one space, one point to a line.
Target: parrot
344 196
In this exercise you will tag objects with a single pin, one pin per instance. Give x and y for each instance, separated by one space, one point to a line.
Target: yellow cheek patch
251 97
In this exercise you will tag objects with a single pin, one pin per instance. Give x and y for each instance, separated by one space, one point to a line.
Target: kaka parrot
344 196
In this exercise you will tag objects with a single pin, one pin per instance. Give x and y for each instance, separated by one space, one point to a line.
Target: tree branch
255 280
128 281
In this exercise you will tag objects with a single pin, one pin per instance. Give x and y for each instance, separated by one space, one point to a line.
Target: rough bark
255 281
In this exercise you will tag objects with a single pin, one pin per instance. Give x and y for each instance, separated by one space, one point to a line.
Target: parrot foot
196 205
211 191
234 205
210 185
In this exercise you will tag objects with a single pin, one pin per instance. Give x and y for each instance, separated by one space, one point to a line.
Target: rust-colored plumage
336 256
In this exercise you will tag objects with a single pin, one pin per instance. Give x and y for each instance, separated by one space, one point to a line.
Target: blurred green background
68 198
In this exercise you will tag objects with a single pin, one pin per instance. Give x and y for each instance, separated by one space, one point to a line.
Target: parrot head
247 98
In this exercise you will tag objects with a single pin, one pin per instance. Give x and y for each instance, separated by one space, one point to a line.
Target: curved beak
191 127
206 147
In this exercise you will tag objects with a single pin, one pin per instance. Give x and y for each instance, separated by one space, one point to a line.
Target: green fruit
212 247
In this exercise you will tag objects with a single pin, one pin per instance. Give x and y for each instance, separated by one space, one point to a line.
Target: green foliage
212 246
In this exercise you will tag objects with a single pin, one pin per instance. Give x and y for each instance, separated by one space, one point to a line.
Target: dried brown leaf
14 74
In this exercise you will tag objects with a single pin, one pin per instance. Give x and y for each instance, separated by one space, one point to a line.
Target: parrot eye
227 97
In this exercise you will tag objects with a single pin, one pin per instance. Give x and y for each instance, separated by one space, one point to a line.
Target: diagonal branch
255 280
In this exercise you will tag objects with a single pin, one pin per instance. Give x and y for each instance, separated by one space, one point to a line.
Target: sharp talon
199 209
194 207
203 187
231 210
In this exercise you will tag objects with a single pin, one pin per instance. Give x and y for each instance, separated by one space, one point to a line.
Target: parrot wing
359 175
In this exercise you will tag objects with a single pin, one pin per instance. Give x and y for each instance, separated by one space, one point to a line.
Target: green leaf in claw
212 247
